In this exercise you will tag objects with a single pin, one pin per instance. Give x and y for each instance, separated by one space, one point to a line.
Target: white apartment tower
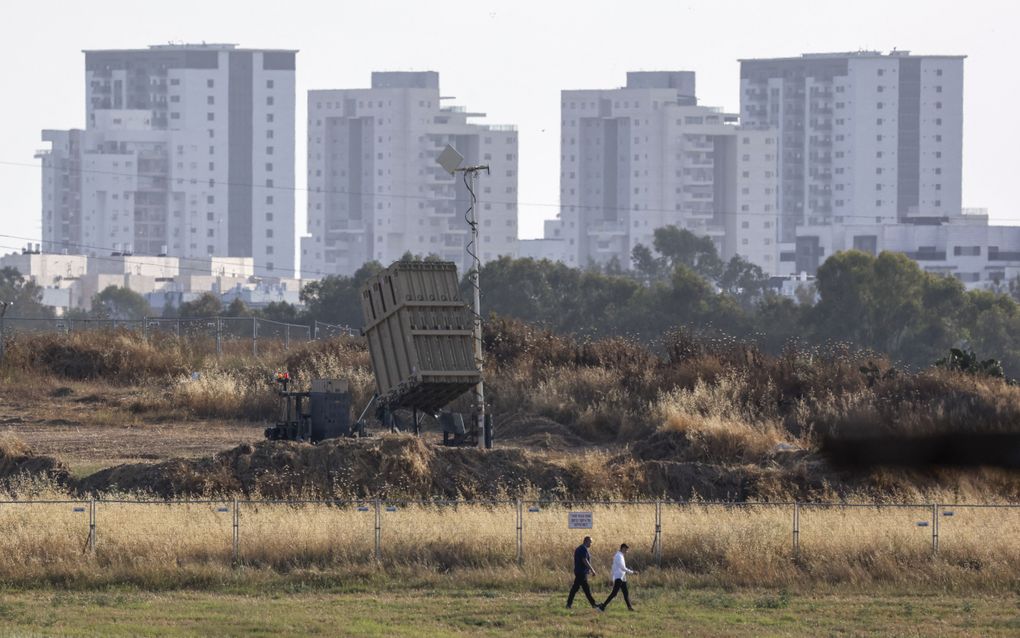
375 190
863 137
188 150
646 156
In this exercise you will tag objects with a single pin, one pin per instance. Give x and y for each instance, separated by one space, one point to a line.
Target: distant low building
965 247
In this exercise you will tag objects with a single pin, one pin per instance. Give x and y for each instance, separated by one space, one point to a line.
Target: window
269 100
210 100
269 217
210 116
269 233
210 83
210 199
269 84
269 117
269 250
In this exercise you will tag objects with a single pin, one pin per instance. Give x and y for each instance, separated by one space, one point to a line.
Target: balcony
935 255
607 227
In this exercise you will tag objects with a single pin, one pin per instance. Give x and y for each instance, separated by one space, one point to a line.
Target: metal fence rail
216 331
689 535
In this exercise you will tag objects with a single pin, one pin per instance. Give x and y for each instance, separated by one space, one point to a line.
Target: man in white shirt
620 572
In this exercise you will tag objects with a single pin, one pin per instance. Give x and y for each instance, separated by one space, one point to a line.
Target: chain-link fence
695 536
252 334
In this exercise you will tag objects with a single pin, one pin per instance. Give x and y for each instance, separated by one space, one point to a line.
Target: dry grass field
588 422
751 545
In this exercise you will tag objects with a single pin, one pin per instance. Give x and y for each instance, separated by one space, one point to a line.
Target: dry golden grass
740 545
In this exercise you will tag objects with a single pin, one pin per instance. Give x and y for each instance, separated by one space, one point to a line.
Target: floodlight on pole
451 162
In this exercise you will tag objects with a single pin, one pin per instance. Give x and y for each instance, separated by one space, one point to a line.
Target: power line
517 203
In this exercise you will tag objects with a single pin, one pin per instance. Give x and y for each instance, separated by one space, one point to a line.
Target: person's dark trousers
580 582
618 585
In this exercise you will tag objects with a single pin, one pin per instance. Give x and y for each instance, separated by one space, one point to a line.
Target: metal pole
796 529
254 336
378 532
935 529
3 335
658 532
145 328
520 532
480 388
316 330
286 338
92 525
178 328
219 337
237 533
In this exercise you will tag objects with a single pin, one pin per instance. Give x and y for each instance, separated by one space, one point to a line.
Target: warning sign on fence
580 520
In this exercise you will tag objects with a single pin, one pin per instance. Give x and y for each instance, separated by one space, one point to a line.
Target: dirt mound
537 432
389 466
17 460
403 466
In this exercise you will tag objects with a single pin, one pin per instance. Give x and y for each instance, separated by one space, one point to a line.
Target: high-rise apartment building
375 191
646 156
188 150
863 137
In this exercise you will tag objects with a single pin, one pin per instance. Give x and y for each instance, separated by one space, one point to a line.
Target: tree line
886 303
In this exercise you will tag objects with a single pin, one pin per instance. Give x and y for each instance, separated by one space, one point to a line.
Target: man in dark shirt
582 567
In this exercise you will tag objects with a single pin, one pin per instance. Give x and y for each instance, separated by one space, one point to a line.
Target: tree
646 265
743 280
681 246
237 308
23 294
336 299
280 311
119 303
208 305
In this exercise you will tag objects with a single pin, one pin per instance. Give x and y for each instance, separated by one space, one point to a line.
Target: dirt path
89 429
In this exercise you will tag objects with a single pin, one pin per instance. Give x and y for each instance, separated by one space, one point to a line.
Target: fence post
254 336
178 328
520 532
796 529
658 532
219 337
237 534
145 328
315 331
935 529
286 338
92 525
378 532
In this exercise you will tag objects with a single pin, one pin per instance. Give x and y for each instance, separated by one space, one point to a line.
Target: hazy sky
508 59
